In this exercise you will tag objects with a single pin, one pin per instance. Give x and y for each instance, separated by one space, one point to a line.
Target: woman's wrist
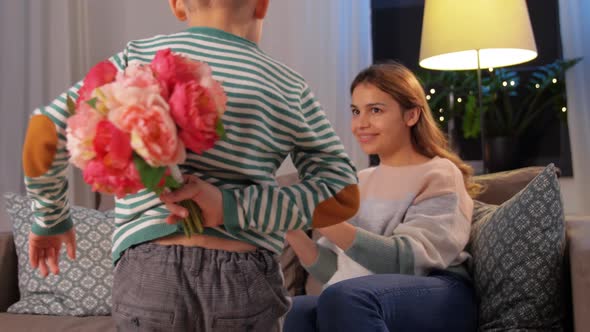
342 234
303 246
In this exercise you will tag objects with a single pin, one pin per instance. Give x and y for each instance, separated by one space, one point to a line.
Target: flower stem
192 223
185 228
197 216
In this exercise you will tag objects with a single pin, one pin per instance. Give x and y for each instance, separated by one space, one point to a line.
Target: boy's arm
327 194
45 162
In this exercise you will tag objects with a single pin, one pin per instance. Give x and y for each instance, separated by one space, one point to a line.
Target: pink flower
112 145
149 111
146 117
102 73
134 85
172 69
112 181
194 110
216 92
80 132
139 76
112 170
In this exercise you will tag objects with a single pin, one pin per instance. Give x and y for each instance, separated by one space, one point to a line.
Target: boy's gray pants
176 288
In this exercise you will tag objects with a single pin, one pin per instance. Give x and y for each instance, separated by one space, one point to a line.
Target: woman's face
378 122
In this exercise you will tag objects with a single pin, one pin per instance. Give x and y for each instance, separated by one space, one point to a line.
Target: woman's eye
355 112
375 110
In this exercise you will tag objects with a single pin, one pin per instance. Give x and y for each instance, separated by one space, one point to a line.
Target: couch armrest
578 238
8 271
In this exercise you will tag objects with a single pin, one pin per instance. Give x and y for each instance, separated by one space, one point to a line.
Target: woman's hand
206 195
342 234
304 247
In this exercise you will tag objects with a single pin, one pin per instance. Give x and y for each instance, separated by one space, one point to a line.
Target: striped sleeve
49 191
327 194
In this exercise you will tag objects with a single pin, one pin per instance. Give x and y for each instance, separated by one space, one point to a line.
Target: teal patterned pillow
518 250
83 287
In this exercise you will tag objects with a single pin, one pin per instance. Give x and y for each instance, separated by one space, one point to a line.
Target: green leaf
220 130
172 183
70 105
92 102
471 124
150 176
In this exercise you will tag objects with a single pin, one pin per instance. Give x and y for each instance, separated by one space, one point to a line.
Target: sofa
501 186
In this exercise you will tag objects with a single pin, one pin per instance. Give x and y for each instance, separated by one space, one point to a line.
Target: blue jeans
442 301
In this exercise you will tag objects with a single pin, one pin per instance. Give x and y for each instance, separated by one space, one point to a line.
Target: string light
491 69
427 97
512 83
441 110
459 99
432 91
537 85
564 109
504 83
554 80
442 118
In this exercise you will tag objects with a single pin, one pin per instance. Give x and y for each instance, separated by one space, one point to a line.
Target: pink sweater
412 220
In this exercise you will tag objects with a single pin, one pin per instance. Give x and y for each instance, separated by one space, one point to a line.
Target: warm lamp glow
453 31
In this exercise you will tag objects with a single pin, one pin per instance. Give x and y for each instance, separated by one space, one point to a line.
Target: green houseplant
512 101
511 108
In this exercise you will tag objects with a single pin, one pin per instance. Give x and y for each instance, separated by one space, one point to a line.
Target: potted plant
510 106
451 96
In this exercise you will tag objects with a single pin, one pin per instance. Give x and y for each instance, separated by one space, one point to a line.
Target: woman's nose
363 121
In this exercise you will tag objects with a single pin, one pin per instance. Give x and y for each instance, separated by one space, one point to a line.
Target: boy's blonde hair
402 85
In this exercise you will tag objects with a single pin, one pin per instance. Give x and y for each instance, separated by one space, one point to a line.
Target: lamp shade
455 32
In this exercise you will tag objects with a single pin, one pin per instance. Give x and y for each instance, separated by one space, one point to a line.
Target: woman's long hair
402 85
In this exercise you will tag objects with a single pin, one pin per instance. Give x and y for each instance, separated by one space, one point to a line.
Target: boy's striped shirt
271 112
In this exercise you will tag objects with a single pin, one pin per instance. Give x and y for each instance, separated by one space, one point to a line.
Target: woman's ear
178 9
412 116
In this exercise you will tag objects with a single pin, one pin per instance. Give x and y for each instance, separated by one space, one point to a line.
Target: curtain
41 56
575 29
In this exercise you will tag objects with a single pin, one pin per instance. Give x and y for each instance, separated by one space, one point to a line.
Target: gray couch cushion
83 287
518 250
500 186
8 272
43 323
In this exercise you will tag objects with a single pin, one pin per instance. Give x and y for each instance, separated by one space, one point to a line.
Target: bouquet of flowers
129 130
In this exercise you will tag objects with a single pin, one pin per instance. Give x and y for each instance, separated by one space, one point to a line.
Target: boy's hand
44 250
206 195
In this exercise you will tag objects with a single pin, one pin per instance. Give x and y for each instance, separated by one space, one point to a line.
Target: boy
228 278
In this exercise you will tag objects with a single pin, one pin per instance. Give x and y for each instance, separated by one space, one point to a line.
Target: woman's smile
365 138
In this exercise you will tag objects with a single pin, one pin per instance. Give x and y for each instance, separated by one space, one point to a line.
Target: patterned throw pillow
518 249
83 287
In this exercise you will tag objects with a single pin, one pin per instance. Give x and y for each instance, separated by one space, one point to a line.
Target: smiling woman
392 119
410 232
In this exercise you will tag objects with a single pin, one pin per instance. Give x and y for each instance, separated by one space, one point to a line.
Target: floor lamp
476 34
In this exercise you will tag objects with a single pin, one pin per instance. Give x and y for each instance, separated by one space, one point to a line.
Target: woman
398 265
